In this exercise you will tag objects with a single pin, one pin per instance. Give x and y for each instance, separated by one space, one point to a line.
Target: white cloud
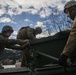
31 25
43 34
16 7
15 32
13 35
4 19
40 24
2 11
45 12
26 19
34 11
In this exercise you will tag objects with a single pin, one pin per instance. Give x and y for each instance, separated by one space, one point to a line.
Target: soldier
28 33
70 47
8 43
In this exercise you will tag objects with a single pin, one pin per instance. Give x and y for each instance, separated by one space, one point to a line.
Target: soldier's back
22 33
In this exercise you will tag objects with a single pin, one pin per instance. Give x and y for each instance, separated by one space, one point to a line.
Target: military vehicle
48 50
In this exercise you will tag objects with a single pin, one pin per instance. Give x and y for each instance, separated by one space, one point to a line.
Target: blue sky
19 13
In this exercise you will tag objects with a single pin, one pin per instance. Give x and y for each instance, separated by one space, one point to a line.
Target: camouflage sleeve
30 33
14 47
6 41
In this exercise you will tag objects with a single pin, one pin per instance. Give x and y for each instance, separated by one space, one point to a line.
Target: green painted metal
51 70
50 46
48 50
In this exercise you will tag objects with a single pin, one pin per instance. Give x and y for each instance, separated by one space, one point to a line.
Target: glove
22 42
63 60
25 44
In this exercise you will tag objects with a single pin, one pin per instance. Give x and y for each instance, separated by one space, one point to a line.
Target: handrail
46 55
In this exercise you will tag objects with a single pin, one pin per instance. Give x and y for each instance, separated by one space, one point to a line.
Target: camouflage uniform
69 49
8 43
26 33
71 43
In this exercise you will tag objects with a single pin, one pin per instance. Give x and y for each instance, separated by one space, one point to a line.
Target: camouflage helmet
69 4
38 29
7 28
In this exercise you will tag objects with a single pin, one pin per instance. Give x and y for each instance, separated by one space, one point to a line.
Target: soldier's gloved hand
24 42
63 60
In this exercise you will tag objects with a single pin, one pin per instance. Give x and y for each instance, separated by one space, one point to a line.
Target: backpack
22 33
